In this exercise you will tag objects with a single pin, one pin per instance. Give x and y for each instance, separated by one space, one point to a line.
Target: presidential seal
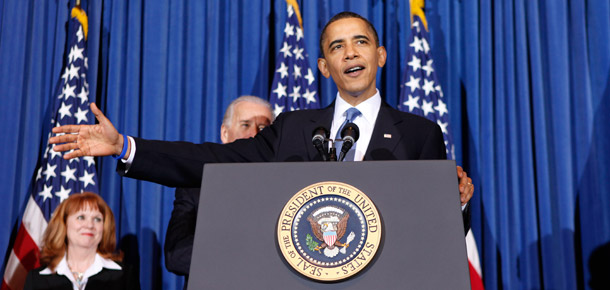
329 231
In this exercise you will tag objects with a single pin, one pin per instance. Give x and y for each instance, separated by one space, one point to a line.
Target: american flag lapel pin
387 136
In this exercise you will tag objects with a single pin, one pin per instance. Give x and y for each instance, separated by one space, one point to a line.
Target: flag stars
412 103
298 53
427 108
54 154
299 33
290 11
69 91
443 127
280 90
286 50
49 172
413 83
81 116
416 44
90 160
83 96
309 96
428 86
309 77
297 72
87 179
39 173
296 94
415 63
75 53
65 110
64 76
80 34
289 30
283 70
72 72
428 68
68 174
278 109
425 46
63 194
441 108
46 192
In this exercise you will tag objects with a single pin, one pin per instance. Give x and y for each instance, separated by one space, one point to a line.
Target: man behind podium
244 118
351 55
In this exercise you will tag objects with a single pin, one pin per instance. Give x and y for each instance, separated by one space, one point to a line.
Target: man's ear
382 56
224 134
323 68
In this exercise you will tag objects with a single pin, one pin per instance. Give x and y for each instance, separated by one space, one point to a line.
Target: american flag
56 178
421 94
294 85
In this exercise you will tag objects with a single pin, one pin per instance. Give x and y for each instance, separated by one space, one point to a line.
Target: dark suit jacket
105 280
181 231
180 164
287 139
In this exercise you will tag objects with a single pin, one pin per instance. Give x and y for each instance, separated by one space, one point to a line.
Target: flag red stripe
4 286
26 249
476 283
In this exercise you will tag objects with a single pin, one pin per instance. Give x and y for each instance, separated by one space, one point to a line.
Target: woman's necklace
78 276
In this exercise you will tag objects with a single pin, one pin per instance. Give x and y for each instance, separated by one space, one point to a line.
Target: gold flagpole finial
417 8
79 13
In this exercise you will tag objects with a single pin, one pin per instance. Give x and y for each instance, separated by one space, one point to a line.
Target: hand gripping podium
240 214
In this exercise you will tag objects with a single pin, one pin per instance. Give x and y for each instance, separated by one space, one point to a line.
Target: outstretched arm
89 140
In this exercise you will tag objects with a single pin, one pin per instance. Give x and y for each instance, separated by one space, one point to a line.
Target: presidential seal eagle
328 225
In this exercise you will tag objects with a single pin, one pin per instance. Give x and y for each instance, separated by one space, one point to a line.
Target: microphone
320 134
350 135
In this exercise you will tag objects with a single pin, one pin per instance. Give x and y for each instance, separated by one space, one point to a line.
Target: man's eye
261 127
245 125
361 41
336 47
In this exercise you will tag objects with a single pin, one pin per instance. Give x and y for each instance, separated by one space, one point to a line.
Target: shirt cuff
132 153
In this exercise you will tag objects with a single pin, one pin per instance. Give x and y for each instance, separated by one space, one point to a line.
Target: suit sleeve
180 164
181 231
434 145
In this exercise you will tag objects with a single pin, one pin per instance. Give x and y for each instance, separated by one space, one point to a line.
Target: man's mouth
353 69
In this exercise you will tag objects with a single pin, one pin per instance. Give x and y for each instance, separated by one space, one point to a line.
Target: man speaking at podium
351 55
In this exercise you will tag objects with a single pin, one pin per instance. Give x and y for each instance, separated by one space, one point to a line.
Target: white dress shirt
98 264
365 121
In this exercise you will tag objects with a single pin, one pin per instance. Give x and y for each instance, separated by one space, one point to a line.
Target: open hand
88 140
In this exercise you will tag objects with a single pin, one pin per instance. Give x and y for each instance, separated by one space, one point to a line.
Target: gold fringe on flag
81 16
417 8
295 5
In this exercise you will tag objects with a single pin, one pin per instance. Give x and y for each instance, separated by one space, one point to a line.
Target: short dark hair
344 15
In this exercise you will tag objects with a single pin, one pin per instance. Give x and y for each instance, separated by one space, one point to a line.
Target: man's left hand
465 185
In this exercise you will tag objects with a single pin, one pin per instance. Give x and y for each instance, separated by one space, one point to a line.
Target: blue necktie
351 114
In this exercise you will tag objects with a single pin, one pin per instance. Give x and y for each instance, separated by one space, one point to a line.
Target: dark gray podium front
422 246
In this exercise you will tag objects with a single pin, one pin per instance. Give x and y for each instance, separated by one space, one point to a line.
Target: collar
368 108
98 264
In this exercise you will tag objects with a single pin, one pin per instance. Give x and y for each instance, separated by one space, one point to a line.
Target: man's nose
350 52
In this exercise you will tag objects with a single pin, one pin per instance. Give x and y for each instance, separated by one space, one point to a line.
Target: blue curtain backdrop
527 84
